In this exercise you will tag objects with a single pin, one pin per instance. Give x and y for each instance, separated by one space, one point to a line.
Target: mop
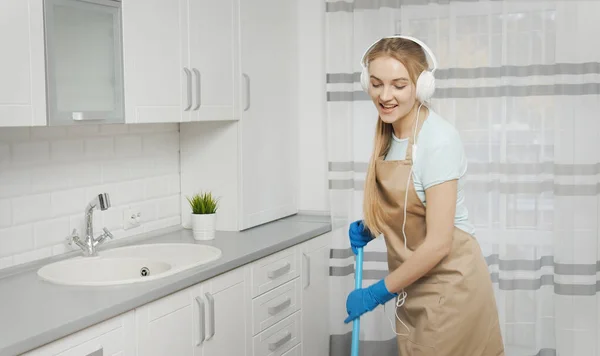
357 284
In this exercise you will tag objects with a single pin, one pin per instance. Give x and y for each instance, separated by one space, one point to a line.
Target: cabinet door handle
211 306
200 321
280 271
307 271
247 91
285 338
188 76
99 352
198 88
277 308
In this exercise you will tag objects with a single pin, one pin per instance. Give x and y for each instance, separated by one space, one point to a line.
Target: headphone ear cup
364 79
425 86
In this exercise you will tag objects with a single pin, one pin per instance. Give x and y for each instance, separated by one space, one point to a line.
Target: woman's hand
362 300
359 235
441 208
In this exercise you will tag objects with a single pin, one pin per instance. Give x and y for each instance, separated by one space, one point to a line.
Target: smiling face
391 89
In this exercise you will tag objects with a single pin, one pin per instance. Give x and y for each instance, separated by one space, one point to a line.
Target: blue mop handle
357 284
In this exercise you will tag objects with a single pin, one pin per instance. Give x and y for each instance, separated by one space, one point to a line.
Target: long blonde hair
412 56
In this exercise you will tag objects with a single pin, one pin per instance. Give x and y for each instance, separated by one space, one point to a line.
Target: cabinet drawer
275 305
273 271
279 338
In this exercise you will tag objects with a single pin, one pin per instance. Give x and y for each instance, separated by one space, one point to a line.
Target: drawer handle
99 352
201 321
276 309
280 271
274 345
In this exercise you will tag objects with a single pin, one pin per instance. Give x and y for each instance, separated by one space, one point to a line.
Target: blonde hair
412 56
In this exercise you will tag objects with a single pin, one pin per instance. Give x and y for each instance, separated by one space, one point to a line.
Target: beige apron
451 311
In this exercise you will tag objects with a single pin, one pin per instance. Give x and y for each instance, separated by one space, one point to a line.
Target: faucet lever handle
73 237
100 239
108 233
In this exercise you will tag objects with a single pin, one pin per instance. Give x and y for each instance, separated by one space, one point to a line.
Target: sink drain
144 271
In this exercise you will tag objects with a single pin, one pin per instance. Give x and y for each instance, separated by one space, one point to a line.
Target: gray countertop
34 312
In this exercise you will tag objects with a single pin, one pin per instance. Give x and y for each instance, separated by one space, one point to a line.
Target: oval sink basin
98 271
129 264
179 255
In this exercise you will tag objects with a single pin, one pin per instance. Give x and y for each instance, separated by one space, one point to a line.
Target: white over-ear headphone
425 83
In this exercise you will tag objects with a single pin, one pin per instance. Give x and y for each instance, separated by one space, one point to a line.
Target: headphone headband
427 50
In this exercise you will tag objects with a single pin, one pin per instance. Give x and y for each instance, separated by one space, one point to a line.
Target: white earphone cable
403 295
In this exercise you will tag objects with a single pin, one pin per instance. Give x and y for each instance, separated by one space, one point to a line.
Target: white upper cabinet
269 122
180 60
155 48
84 64
251 164
22 83
213 41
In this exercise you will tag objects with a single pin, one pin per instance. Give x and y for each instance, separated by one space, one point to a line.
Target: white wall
313 192
49 174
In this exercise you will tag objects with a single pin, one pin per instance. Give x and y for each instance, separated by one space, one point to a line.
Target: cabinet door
214 41
113 337
164 327
22 87
158 82
315 297
225 322
269 115
84 62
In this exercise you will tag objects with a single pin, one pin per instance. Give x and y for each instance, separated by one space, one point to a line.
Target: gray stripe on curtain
503 284
565 190
505 265
340 345
486 92
344 6
348 166
492 72
499 168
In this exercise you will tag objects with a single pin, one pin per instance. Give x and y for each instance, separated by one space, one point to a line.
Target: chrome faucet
88 245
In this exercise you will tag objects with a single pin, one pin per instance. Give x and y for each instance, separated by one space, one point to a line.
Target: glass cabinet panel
84 61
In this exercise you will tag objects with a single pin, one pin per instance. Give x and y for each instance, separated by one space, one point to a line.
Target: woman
445 302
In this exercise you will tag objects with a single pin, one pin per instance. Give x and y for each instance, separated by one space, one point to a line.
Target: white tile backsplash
49 174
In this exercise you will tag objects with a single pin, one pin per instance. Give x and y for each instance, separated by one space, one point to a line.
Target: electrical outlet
131 219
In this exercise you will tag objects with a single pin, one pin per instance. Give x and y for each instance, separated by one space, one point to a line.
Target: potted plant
204 213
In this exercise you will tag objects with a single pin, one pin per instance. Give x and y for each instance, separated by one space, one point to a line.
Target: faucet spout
100 201
89 242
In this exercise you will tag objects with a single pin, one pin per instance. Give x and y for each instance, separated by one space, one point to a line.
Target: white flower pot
204 226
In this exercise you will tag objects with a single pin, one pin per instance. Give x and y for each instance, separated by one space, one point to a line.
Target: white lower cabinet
199 321
275 306
315 296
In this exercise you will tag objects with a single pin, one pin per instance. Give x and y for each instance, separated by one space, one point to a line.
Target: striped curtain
521 82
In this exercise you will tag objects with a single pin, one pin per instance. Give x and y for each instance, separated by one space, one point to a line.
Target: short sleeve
444 159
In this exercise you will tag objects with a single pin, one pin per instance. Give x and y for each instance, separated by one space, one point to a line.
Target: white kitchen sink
130 264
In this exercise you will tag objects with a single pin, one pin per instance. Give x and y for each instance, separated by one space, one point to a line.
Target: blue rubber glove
359 235
363 300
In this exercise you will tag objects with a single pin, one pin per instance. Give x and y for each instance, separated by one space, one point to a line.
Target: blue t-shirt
440 158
